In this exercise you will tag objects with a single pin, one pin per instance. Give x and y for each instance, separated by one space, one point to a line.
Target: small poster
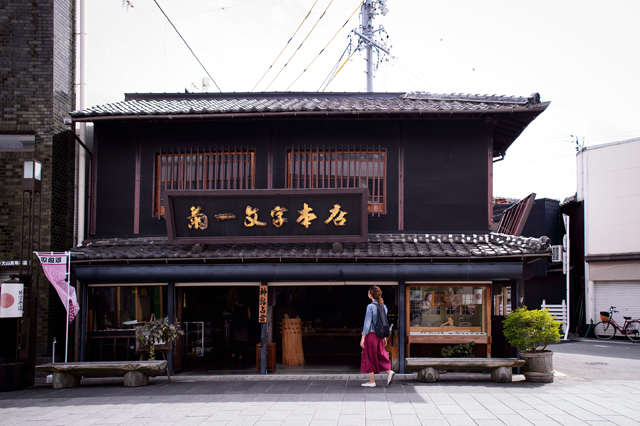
262 304
11 300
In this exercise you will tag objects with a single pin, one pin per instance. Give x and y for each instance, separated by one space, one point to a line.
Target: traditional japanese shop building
198 199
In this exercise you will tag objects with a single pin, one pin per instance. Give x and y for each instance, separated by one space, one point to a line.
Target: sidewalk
458 399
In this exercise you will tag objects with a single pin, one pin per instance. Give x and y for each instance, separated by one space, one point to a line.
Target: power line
305 39
285 46
215 10
327 45
187 44
339 69
407 67
333 70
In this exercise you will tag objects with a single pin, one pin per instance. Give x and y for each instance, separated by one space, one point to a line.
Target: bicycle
606 329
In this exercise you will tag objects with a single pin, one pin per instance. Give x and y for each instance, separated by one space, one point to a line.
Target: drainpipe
589 300
82 127
565 267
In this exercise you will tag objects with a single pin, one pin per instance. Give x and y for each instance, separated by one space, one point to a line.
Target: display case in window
194 338
443 313
502 301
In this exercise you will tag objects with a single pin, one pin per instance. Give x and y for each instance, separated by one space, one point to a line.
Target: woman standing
374 355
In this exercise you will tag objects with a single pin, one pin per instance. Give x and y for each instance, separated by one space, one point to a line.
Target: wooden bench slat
428 367
443 363
135 373
105 369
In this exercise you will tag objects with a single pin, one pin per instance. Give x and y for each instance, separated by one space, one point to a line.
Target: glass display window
456 309
113 308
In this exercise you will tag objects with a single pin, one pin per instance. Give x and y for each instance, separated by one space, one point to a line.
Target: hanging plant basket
157 333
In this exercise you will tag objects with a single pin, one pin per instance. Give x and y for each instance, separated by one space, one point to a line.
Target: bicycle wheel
604 330
633 331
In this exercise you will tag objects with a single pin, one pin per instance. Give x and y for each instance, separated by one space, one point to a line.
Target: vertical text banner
55 268
262 304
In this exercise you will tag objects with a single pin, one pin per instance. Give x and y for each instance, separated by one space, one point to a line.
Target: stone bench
135 373
428 368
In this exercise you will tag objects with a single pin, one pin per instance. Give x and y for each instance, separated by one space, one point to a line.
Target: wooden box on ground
271 357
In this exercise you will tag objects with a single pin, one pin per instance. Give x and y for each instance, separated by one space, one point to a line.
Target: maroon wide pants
374 357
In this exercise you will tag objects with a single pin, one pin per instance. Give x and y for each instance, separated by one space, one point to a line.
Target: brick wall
36 92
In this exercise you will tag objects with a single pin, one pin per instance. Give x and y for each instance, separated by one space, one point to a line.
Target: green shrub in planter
531 331
464 350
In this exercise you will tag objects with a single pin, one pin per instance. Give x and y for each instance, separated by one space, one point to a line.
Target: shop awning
283 272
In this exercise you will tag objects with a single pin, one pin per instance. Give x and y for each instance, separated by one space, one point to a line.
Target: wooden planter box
539 366
271 357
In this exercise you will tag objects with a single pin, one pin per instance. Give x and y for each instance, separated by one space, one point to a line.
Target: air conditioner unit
556 253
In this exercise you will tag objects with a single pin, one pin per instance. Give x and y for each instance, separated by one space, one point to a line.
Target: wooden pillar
84 298
264 348
270 313
172 317
517 294
402 326
77 341
263 339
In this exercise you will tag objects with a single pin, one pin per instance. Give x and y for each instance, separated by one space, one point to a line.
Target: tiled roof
424 246
307 102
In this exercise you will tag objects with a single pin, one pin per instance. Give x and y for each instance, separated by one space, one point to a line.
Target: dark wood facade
445 183
426 163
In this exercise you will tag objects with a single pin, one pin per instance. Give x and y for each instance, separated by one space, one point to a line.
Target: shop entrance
221 324
221 329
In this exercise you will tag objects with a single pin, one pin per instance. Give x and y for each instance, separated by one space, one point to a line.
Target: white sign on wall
11 300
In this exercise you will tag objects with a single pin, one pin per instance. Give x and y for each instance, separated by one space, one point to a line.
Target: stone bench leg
428 375
135 378
501 375
64 380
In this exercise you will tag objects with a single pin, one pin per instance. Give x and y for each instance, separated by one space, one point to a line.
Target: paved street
616 359
459 399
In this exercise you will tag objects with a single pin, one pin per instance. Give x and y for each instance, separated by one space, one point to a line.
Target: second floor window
197 169
340 167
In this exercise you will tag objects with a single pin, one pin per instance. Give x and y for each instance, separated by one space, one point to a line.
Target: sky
579 55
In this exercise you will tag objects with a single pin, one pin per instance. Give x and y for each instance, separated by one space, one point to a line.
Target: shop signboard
11 300
267 216
262 304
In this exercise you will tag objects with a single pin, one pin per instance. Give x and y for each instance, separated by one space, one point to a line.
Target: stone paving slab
323 400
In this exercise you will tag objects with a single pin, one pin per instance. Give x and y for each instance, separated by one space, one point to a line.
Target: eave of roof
510 115
251 105
385 247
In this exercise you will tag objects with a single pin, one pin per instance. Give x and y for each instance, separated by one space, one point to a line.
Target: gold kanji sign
267 216
262 304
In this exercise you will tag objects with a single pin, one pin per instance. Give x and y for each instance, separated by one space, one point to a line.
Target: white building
609 186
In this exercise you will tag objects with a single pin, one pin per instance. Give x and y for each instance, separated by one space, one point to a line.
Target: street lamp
29 241
32 176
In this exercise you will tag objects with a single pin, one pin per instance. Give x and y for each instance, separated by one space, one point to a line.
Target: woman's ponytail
375 291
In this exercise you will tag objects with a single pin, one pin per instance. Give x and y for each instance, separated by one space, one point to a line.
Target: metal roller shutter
624 295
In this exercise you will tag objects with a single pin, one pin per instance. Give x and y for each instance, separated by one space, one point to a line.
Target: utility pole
367 29
366 33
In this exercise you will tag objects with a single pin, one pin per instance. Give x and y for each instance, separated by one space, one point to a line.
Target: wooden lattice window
201 169
341 167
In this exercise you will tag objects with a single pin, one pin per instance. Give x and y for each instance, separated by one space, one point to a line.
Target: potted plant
530 331
156 334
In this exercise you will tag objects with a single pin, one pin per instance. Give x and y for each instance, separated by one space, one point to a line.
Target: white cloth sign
11 300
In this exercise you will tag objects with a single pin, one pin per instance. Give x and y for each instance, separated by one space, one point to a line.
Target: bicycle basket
604 316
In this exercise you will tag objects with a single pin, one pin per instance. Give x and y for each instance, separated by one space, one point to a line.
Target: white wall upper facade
609 185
